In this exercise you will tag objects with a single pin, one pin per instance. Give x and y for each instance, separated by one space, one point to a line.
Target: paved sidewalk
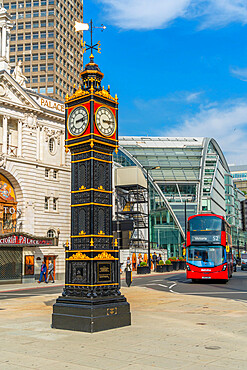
168 331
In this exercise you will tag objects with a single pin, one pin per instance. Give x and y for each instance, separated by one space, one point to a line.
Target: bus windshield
205 223
208 256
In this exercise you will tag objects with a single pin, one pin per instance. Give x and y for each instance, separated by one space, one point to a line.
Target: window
43 24
43 35
20 36
28 25
35 3
28 47
20 15
50 90
27 58
50 45
12 59
35 79
36 13
42 79
43 13
43 56
36 24
35 46
43 3
27 69
43 45
28 4
42 67
50 78
12 49
54 204
6 6
20 26
20 48
50 34
55 174
12 37
50 23
51 233
42 90
35 35
28 36
50 55
35 68
50 67
51 12
28 15
46 202
51 2
47 171
51 145
13 5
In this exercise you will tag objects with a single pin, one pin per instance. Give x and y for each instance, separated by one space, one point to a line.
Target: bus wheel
194 281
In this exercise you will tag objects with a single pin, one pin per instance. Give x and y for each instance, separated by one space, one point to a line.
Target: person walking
154 260
128 264
50 272
42 272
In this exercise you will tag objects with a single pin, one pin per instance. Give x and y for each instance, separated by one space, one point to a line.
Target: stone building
34 178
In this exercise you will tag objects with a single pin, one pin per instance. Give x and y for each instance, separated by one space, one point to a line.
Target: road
175 283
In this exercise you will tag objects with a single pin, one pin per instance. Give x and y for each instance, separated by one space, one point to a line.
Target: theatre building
34 176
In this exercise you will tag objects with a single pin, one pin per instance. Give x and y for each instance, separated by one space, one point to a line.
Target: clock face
78 121
105 121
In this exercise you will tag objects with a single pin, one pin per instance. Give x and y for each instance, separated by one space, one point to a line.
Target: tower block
91 300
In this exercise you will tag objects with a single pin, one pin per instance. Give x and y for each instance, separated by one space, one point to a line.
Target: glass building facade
189 173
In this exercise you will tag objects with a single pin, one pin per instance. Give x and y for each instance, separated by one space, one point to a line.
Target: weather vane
85 27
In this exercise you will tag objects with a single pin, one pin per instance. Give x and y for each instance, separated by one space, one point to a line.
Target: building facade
186 176
34 177
44 39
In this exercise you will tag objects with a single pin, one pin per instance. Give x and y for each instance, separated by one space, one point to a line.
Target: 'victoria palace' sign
24 240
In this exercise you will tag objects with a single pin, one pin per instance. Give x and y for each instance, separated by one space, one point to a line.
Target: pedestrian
154 260
128 264
159 258
42 272
50 272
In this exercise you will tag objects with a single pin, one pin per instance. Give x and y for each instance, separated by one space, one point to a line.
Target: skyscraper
44 38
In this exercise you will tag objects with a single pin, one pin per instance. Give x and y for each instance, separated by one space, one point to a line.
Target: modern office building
185 175
239 174
44 39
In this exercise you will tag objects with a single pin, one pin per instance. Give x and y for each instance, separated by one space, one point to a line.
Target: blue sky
179 67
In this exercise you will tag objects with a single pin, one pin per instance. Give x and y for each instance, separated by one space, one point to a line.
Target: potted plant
182 263
169 265
143 268
161 267
175 263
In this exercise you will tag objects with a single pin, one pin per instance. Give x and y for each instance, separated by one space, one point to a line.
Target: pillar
62 149
19 147
4 41
38 144
5 134
42 142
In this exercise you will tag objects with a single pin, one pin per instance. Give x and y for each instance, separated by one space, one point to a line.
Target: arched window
51 233
51 145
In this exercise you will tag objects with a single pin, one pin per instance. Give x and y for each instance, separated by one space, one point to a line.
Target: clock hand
105 121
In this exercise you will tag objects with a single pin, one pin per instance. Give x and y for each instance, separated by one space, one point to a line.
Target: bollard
128 277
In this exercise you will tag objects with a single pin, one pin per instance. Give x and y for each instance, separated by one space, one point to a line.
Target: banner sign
206 238
23 240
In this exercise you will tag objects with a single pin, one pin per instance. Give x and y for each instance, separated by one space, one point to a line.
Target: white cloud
227 124
240 73
155 14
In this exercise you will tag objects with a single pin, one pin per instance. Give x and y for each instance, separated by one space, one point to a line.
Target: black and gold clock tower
91 300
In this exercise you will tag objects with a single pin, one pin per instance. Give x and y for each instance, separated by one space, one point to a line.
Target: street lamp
149 251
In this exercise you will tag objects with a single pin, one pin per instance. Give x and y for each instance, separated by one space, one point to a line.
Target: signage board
104 272
23 240
52 105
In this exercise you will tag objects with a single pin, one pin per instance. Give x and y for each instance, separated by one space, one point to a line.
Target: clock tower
91 300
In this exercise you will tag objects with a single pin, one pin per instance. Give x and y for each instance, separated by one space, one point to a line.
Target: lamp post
149 251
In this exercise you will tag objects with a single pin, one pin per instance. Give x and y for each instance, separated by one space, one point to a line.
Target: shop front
21 256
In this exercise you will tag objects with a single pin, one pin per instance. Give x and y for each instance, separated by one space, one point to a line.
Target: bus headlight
224 268
188 267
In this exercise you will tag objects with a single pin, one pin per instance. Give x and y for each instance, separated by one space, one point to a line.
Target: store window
29 265
51 233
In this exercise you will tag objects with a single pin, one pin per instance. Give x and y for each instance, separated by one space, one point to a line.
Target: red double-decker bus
209 248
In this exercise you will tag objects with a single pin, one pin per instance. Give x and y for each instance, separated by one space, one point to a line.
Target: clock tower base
92 314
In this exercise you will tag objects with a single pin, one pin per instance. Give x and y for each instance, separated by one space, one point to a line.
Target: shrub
161 262
172 259
168 262
142 264
181 259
